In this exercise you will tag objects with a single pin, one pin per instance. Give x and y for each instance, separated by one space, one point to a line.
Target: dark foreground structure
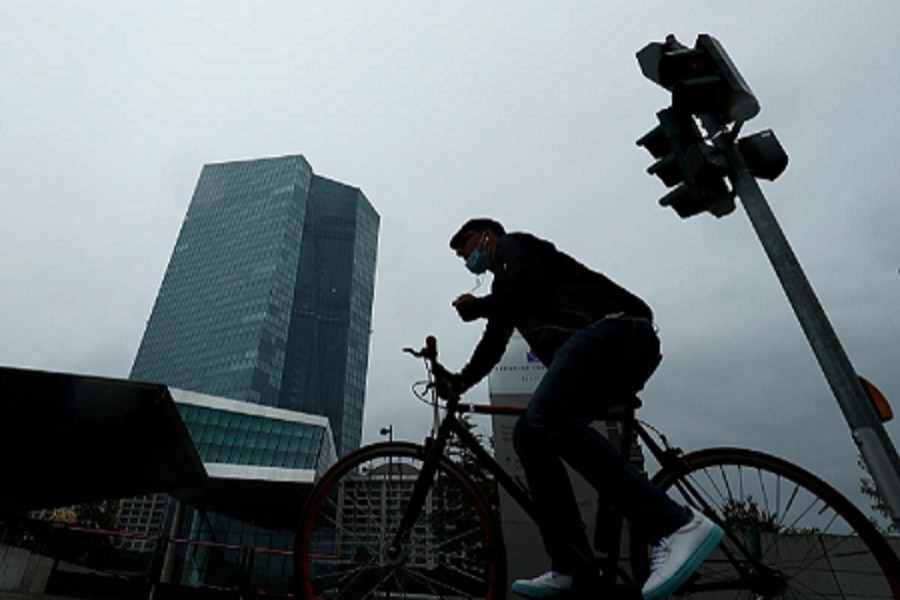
71 439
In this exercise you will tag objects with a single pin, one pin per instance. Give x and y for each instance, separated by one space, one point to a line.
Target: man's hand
447 385
465 306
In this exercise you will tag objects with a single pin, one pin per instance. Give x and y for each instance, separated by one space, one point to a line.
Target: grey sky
525 111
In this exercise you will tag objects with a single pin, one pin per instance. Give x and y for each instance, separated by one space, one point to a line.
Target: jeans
597 367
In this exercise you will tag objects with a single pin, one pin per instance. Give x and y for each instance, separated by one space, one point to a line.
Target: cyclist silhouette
600 346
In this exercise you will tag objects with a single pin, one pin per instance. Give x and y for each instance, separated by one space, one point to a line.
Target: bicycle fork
434 450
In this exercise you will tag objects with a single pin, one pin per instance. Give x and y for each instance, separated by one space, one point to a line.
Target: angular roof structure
71 439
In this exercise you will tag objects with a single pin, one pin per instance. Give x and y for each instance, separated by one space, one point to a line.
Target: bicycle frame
668 458
784 525
435 447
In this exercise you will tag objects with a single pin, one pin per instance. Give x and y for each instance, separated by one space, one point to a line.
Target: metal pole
171 551
867 430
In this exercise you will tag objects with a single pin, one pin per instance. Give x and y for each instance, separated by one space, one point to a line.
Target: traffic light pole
868 433
706 84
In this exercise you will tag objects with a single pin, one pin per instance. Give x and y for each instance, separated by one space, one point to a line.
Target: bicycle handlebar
428 352
437 370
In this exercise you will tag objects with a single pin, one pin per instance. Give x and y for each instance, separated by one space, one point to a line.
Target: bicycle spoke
790 503
467 574
460 536
351 534
764 491
722 496
448 552
814 543
443 586
809 560
345 585
818 549
729 493
428 581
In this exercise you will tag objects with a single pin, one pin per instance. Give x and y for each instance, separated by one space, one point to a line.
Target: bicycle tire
815 541
456 549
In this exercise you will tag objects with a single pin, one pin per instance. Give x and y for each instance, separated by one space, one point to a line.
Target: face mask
479 261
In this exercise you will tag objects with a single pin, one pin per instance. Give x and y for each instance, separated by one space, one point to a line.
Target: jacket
546 295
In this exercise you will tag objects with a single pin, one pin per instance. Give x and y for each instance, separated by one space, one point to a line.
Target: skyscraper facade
266 301
268 294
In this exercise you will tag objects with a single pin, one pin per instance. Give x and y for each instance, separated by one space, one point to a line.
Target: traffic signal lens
703 80
682 200
683 64
668 169
764 155
701 95
655 141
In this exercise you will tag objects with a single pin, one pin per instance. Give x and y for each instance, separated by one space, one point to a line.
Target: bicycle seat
628 401
621 407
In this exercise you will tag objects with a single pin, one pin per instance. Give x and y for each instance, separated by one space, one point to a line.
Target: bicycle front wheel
455 550
789 534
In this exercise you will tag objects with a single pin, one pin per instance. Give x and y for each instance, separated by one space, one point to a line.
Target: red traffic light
682 65
703 80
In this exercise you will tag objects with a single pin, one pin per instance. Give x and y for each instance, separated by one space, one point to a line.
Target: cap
479 224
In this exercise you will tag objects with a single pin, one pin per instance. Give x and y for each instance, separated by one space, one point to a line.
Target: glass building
268 294
239 440
266 303
261 461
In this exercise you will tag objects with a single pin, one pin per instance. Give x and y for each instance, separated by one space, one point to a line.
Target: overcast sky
439 111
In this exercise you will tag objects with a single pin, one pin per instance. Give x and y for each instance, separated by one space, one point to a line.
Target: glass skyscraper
268 294
264 312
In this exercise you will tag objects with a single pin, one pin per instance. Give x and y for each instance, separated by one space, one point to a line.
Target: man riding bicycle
599 345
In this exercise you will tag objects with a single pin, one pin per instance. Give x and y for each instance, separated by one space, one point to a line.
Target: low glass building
242 440
261 462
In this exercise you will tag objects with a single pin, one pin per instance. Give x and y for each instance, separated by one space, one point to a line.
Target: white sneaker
676 557
547 585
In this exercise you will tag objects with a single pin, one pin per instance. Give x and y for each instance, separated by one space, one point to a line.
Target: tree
98 515
467 459
879 508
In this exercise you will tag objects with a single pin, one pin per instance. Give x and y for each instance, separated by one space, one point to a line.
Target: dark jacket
546 295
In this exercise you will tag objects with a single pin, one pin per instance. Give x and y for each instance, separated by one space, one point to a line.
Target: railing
86 558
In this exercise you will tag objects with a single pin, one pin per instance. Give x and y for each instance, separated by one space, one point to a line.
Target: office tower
267 303
141 516
268 295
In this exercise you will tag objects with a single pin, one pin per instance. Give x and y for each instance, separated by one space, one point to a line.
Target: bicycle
402 520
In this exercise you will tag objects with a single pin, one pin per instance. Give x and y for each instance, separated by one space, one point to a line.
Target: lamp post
389 431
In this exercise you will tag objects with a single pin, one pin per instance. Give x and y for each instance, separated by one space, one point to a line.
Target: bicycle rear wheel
455 549
810 540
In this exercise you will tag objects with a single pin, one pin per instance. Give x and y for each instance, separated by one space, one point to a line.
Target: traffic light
709 92
702 79
764 154
688 163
